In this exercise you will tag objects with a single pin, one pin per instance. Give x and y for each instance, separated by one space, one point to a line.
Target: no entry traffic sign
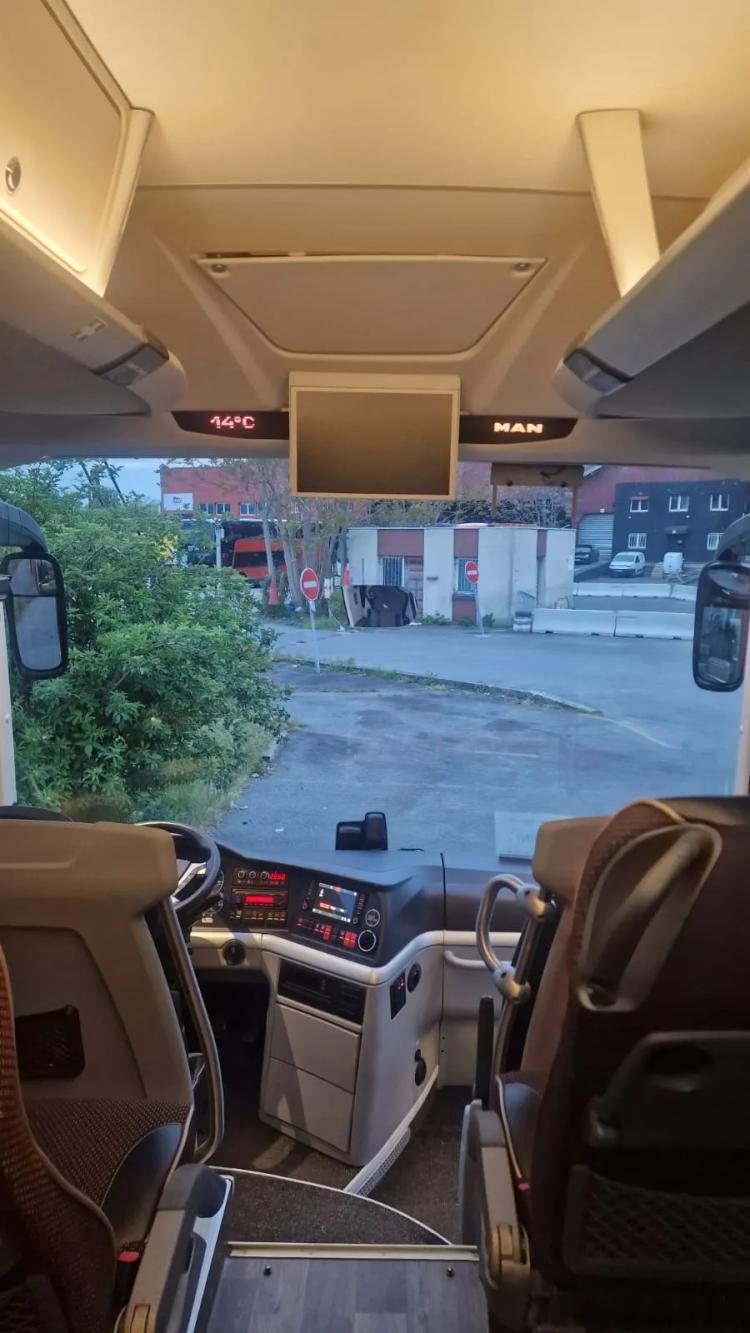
471 571
309 584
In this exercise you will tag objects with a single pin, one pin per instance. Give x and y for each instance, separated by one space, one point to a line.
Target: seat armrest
174 1270
488 1192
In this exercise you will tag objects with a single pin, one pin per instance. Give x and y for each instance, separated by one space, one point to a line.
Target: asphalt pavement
464 770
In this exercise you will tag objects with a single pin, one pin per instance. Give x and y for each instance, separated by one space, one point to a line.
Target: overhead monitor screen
374 440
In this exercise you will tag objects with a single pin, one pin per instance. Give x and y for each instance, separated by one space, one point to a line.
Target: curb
471 686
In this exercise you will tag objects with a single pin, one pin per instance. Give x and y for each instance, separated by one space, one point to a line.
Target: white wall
557 568
525 570
495 564
362 549
438 572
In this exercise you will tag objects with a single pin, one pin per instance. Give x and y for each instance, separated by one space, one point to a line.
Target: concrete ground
473 772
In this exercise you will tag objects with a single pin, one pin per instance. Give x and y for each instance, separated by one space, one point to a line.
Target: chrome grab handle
503 974
467 964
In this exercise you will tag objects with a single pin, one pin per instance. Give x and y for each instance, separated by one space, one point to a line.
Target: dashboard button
367 941
373 917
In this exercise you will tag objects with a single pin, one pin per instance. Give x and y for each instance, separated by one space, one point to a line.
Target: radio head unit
258 898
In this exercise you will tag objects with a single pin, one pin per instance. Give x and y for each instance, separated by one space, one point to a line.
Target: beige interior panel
35 376
318 1047
300 1099
72 904
63 128
466 92
378 305
386 1085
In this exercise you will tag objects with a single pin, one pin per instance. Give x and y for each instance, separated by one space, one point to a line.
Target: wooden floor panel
333 1295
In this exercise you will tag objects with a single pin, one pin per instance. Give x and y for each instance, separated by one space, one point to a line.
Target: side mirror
36 615
379 606
722 616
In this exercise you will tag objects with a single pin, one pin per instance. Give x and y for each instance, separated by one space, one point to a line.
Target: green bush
168 685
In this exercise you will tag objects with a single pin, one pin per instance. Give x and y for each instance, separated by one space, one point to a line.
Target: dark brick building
676 515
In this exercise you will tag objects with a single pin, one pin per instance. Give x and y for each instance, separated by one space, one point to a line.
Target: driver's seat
96 1100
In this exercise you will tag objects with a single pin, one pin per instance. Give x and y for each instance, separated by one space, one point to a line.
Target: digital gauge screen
334 902
238 424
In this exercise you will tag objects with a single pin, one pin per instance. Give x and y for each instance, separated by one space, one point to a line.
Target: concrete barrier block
639 587
555 621
653 625
684 592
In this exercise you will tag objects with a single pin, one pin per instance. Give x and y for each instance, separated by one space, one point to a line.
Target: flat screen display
373 435
334 902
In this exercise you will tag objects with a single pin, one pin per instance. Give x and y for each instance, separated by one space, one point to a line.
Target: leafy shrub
168 684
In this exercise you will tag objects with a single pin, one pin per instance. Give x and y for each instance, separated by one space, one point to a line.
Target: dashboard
364 906
327 906
373 982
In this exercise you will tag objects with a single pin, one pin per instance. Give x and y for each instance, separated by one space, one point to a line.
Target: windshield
475 680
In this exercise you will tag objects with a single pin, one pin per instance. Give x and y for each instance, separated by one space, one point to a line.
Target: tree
312 532
168 688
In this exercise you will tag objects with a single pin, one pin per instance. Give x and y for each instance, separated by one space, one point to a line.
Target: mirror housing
35 607
722 616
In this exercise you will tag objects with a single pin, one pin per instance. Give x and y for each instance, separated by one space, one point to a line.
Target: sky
140 475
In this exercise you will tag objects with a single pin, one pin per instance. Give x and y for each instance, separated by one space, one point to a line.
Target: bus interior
376 1081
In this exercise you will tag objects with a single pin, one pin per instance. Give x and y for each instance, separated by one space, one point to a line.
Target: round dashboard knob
367 941
234 953
372 917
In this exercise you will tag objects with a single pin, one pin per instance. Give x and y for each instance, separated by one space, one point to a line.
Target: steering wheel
203 860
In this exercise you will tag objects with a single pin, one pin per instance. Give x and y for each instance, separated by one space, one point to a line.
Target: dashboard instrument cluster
333 914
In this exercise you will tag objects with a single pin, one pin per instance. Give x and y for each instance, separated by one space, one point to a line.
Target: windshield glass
475 679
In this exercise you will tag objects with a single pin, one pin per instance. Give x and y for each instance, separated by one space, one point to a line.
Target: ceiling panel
437 92
355 305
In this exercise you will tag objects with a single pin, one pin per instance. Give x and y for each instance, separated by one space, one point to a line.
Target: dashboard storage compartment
318 1047
308 1103
320 990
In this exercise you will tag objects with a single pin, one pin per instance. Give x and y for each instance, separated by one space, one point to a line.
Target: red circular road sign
471 571
309 584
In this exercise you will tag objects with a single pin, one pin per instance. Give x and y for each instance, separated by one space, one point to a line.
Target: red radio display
258 899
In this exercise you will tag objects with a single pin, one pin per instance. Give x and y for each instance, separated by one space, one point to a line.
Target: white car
628 563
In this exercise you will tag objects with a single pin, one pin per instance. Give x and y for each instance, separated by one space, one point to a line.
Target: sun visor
373 436
675 345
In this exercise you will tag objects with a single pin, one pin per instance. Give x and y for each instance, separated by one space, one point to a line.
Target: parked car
585 554
628 563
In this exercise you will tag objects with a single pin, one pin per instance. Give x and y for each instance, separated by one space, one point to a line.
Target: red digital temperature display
231 421
238 423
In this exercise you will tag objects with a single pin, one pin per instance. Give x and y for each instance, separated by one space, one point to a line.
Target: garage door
596 530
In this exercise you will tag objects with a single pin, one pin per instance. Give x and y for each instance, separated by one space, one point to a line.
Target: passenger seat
625 1133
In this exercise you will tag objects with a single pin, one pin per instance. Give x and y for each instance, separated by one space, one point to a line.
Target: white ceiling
427 92
400 128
